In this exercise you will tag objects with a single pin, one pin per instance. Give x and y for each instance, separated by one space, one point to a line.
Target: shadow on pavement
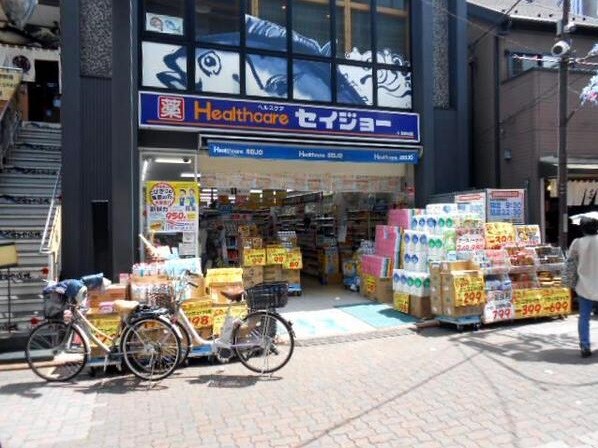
232 381
25 390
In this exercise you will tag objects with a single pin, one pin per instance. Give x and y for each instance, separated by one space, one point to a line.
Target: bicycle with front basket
59 348
263 340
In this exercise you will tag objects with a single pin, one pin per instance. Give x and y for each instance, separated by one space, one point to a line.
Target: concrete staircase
26 187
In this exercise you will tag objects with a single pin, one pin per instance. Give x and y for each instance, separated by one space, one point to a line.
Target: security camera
560 49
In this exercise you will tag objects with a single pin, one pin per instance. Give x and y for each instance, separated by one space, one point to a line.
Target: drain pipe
497 161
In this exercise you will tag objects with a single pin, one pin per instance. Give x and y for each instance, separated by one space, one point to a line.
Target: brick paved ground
509 386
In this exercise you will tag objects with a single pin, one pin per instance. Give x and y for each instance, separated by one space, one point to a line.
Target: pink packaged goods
376 265
401 217
388 241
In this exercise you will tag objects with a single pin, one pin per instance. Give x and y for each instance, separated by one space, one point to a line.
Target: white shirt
585 250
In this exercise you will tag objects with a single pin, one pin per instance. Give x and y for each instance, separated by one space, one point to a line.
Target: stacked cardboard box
457 289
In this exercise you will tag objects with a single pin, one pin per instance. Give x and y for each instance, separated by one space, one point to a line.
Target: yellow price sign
276 255
469 290
498 234
293 260
108 324
370 284
401 302
200 313
220 315
254 257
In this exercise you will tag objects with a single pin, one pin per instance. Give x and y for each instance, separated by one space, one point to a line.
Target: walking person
585 251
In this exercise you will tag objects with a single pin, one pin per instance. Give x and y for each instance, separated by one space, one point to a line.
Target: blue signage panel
318 154
199 112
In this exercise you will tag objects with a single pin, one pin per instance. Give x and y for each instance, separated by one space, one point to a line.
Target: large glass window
217 71
266 76
311 27
164 66
392 32
282 49
354 85
165 16
217 21
353 30
265 25
311 81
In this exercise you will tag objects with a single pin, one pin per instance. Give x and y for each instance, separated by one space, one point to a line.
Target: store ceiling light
582 166
180 160
190 175
255 191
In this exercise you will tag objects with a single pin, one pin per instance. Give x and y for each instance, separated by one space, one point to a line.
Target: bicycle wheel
185 342
56 351
151 348
264 342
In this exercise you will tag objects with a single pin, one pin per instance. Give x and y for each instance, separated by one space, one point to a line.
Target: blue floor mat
378 315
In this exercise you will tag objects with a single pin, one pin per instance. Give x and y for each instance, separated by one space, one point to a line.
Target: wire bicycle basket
267 296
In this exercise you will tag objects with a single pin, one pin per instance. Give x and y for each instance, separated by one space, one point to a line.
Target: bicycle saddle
125 307
234 295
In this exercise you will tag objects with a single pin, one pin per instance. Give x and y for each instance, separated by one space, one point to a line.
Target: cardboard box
215 291
291 276
401 302
450 266
219 314
253 276
420 307
452 296
199 292
436 302
375 288
199 312
272 273
109 324
461 311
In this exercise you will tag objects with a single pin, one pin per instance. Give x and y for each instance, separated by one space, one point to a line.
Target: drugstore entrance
306 223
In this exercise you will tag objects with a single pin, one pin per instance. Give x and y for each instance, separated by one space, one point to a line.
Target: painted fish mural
216 71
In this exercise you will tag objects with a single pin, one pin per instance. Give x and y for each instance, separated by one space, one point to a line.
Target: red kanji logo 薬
171 108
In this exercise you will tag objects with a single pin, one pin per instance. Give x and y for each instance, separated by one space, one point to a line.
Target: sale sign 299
171 206
469 290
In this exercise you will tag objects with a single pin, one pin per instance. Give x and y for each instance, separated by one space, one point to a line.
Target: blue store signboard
192 112
308 153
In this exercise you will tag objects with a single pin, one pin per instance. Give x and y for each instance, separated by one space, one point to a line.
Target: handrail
9 123
46 243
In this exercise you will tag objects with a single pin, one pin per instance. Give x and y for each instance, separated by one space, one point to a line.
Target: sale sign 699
171 206
469 290
541 302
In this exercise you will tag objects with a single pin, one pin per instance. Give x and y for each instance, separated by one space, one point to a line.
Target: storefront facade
250 94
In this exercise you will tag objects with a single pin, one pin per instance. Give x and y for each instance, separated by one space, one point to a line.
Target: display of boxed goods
413 283
463 288
401 302
275 255
388 242
108 326
495 261
201 315
272 273
329 261
528 235
218 280
442 209
521 258
219 314
376 266
252 276
293 259
550 279
291 276
417 262
402 217
541 302
254 257
524 280
415 241
549 256
499 294
420 307
499 234
377 288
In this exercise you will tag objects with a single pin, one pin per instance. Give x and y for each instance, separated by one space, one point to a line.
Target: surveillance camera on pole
561 49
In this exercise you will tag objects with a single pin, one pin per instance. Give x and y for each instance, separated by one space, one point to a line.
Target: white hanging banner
25 57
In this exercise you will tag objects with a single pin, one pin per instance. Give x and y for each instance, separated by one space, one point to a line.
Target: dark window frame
189 41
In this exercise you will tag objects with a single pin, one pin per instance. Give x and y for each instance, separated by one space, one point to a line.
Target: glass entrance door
169 193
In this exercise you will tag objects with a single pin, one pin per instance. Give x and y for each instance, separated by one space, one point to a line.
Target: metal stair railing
9 123
52 237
